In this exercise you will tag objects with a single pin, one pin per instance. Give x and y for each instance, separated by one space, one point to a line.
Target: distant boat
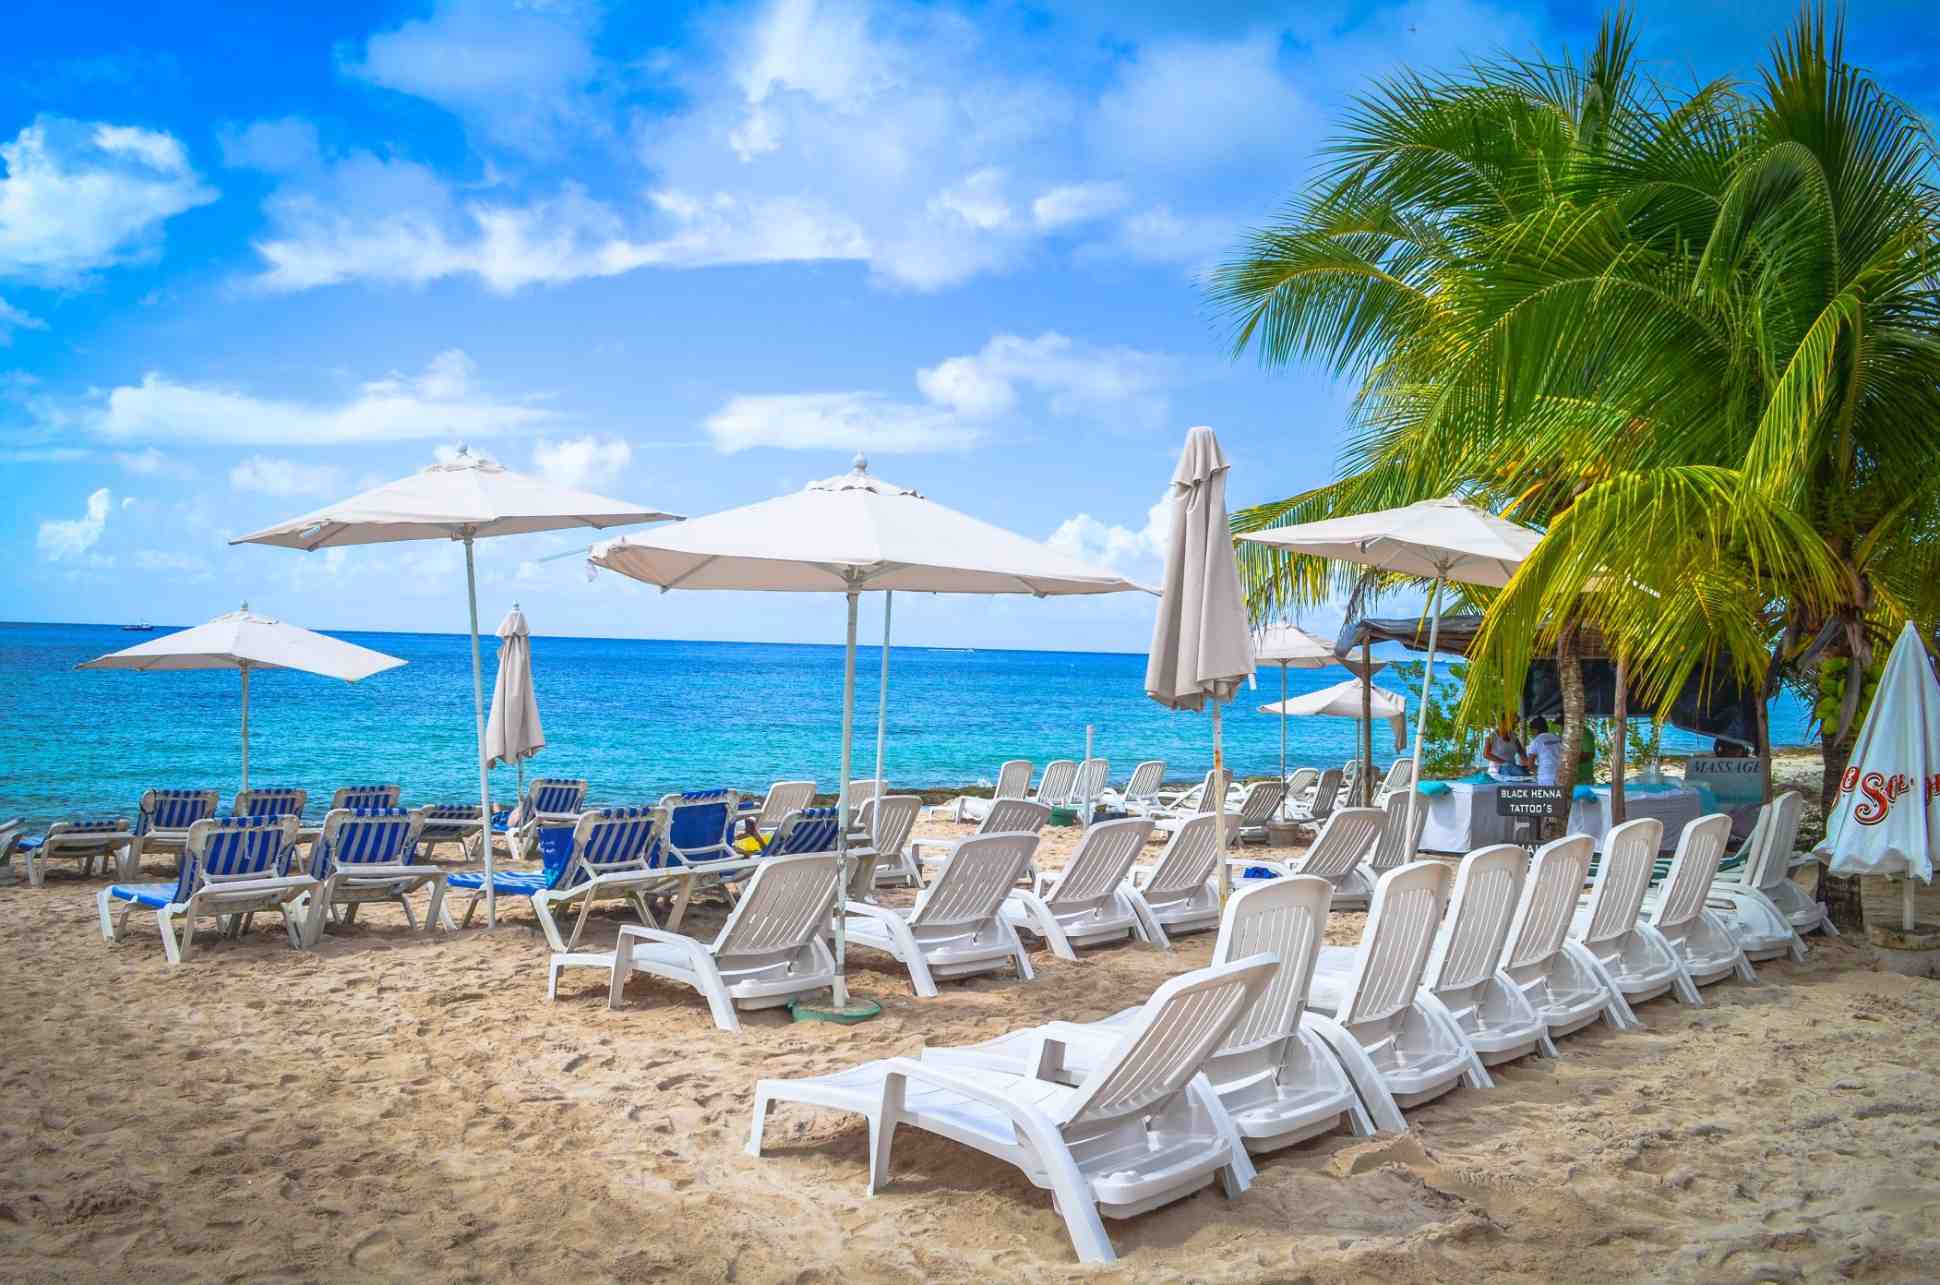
143 628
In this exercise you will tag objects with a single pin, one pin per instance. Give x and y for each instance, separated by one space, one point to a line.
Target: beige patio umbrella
465 499
1356 699
1201 645
1290 647
513 733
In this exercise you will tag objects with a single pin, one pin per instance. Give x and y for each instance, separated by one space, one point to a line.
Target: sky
256 258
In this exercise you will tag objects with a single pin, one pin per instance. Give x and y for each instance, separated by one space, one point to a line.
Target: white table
1675 808
1463 819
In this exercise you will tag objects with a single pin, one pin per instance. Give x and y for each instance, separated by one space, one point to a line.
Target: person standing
1545 756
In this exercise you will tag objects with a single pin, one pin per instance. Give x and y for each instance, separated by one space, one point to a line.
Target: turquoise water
635 717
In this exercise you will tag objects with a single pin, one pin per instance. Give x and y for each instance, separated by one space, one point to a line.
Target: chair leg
882 1130
707 979
1048 926
435 913
762 1100
102 903
165 920
622 969
1365 1077
542 903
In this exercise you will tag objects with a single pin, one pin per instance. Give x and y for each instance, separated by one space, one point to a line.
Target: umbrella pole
1366 737
244 669
1283 728
1427 685
841 987
882 702
1219 813
478 720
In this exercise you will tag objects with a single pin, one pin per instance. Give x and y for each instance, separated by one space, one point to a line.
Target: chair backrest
1401 774
1395 943
1184 1022
228 849
606 840
1212 793
271 801
1327 793
1093 775
1008 816
787 902
450 815
1346 839
805 830
1055 786
1549 893
79 830
1488 889
1263 799
1190 858
862 789
974 882
1103 858
1780 836
1622 878
783 797
1399 843
1700 847
695 821
888 821
174 809
1302 779
356 797
1281 917
364 837
555 796
1350 772
1014 779
1147 777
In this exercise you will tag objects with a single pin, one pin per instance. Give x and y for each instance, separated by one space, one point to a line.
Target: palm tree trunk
1621 709
1569 675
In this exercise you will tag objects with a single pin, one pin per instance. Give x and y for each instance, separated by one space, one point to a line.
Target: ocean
635 717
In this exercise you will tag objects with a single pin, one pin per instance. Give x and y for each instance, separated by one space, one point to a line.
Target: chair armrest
692 945
1020 1113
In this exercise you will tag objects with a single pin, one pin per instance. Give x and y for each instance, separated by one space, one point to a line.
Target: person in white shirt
1545 755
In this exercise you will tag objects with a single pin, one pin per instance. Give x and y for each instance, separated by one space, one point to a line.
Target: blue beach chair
803 830
548 801
355 797
271 801
696 826
364 855
447 823
230 866
608 858
106 839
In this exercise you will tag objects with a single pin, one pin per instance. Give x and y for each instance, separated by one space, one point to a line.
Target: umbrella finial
861 463
464 451
245 605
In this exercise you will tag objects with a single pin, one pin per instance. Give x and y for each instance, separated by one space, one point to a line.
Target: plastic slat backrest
1395 943
364 836
610 840
698 820
1190 857
1346 840
1327 792
556 796
1788 810
805 830
1009 816
890 820
1100 864
1180 1027
355 797
1261 802
786 902
1210 793
1302 779
1401 774
1622 878
1549 893
784 797
271 801
1093 775
1013 779
980 874
1488 889
1147 777
1284 917
1700 847
227 849
862 789
1397 846
1059 776
174 809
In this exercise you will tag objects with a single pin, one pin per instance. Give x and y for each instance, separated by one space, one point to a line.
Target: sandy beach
392 1106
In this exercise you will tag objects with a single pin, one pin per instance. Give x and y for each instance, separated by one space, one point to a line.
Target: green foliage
1449 748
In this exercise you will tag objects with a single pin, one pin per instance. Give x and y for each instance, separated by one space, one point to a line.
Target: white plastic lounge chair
82 840
1085 903
1347 839
364 855
611 858
1401 775
162 821
1013 782
1141 1130
805 830
1399 1051
1274 1074
955 929
1566 992
1766 911
1141 792
1179 894
230 867
887 822
1464 974
448 823
1300 787
1638 966
769 952
1695 935
866 788
1261 804
1006 816
1094 775
1187 802
782 798
1398 846
366 796
1350 772
271 801
1326 796
1054 788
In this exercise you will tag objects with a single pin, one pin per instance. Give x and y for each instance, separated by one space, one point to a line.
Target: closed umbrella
465 499
513 733
848 535
244 641
1346 700
1886 817
1200 644
1445 539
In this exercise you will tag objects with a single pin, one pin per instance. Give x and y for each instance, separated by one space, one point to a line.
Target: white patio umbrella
1345 700
1290 647
513 733
1445 539
244 641
467 499
1886 817
1201 645
848 535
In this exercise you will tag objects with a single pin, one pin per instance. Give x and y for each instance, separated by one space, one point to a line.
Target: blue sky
689 256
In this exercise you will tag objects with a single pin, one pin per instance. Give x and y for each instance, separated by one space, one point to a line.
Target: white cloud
843 421
441 402
1075 203
270 475
150 462
1121 548
12 319
60 540
78 196
1118 385
1196 107
580 462
183 564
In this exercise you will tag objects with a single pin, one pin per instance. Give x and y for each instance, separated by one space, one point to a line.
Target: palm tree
1694 337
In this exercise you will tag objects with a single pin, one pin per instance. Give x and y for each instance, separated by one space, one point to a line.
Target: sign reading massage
1732 781
1527 800
1878 792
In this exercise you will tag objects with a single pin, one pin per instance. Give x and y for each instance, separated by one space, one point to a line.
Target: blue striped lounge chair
271 801
230 866
548 801
364 855
696 827
447 823
803 830
86 840
163 818
366 796
609 859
